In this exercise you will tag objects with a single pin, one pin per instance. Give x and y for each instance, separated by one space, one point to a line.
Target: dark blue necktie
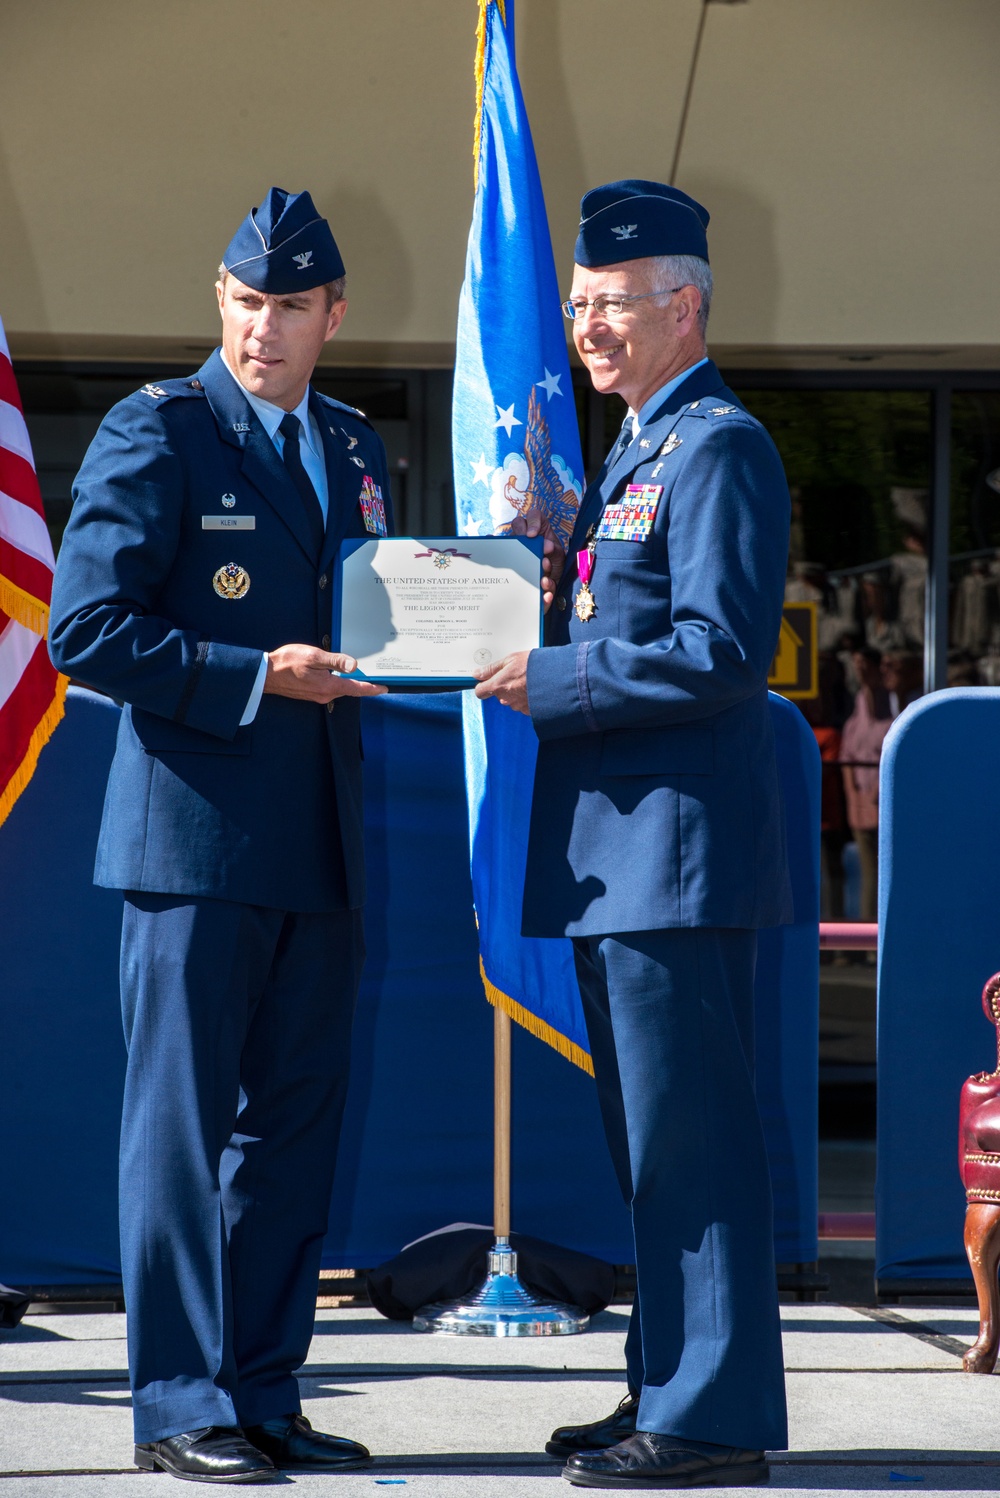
291 428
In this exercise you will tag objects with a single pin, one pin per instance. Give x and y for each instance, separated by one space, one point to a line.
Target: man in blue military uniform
194 584
657 839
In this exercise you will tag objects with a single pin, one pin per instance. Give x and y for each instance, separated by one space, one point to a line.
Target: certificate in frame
430 611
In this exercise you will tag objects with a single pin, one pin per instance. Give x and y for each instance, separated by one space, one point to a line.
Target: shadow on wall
18 267
742 244
368 237
542 70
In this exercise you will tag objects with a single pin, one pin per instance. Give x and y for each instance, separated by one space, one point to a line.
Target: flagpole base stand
501 1307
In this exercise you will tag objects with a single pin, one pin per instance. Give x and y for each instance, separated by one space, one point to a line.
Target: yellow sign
795 668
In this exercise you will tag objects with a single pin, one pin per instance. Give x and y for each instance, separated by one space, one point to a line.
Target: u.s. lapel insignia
231 581
672 442
643 441
229 500
241 426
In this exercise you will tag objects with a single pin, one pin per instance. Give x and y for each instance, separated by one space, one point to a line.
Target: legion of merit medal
585 606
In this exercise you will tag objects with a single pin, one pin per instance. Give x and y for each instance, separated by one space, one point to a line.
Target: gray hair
334 289
685 270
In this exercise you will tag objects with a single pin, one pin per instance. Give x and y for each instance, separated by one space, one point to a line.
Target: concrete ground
877 1401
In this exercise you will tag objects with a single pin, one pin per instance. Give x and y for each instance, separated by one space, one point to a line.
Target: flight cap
631 219
284 245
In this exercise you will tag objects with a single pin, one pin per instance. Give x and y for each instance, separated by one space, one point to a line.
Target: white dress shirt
270 417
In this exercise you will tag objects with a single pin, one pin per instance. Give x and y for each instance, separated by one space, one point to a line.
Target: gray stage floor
878 1403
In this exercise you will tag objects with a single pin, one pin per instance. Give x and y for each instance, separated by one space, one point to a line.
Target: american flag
31 691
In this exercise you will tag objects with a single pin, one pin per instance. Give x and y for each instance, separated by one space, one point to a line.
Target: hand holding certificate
434 612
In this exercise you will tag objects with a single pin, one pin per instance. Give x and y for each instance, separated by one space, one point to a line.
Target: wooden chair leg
982 1245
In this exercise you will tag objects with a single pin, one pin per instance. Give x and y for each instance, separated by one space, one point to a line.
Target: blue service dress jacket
180 484
656 800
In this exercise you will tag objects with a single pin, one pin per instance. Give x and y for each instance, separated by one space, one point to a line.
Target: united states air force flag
516 449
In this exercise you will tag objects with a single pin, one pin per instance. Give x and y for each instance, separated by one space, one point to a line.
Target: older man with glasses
657 839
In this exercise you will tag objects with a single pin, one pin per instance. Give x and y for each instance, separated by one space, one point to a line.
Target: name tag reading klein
229 522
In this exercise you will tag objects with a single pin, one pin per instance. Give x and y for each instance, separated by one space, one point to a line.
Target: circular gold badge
231 581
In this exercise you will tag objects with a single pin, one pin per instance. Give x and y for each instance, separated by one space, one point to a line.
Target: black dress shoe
290 1441
219 1453
599 1435
648 1460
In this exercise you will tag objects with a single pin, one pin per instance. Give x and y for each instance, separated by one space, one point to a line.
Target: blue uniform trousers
670 1020
238 1025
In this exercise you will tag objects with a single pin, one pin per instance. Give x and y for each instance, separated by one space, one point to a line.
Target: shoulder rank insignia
721 410
153 390
231 581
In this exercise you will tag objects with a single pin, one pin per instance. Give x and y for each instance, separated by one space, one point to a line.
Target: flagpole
503 1306
501 1123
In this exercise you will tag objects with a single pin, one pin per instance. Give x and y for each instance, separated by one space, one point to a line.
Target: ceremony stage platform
877 1403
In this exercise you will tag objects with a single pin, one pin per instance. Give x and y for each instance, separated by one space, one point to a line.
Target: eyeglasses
611 306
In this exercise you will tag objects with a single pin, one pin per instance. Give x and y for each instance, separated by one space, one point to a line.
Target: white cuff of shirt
250 711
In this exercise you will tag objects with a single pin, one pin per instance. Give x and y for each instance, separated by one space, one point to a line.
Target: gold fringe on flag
480 71
536 1026
23 608
44 730
500 1000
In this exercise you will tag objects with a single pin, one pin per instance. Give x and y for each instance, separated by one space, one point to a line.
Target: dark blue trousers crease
238 1026
670 1020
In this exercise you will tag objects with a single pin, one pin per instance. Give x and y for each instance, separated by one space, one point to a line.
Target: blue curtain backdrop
787 1008
939 898
417 1147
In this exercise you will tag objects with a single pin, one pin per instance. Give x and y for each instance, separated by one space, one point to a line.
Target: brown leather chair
979 1167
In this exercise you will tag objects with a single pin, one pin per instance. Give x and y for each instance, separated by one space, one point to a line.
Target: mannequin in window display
882 631
860 752
976 618
825 714
908 580
902 676
836 606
